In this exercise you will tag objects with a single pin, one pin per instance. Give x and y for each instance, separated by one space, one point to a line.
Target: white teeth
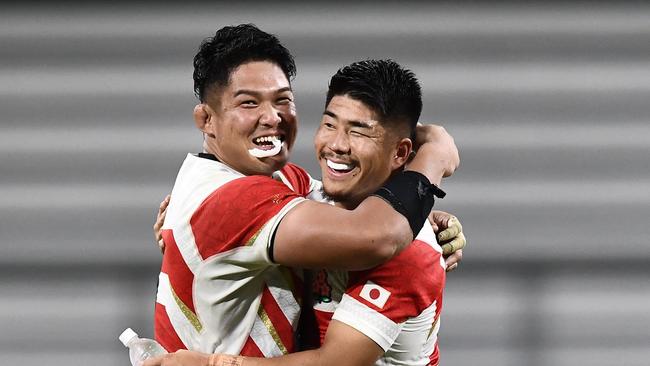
259 153
267 139
338 166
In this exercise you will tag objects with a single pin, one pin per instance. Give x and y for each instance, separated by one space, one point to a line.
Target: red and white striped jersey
396 304
219 290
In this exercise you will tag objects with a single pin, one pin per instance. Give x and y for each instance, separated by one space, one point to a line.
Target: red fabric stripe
435 356
250 349
180 276
236 211
279 321
164 331
298 178
323 319
420 264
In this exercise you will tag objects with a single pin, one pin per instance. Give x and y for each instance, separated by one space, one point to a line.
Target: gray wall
549 105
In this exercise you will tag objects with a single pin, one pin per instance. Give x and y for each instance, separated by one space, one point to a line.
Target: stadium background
549 105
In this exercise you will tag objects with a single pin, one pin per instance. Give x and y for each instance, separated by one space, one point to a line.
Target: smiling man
239 213
389 314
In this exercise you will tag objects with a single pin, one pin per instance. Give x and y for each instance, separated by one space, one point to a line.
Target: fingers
456 244
154 361
454 228
160 221
453 260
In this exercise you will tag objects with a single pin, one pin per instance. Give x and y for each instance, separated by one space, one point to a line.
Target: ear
402 152
203 119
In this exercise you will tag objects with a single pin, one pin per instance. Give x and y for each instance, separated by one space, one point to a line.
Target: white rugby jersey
396 304
219 291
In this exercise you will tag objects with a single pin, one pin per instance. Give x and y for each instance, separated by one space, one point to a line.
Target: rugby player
389 314
239 213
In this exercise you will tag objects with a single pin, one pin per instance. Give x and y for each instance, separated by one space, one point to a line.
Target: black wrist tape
412 195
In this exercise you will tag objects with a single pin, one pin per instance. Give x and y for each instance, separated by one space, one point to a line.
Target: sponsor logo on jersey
321 288
375 294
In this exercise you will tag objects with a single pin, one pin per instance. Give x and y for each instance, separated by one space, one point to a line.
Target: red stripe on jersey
298 178
164 331
236 211
323 319
278 319
250 349
435 356
414 278
180 276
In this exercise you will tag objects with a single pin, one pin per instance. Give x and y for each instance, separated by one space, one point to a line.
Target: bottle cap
127 336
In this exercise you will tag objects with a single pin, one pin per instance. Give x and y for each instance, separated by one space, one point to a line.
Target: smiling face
356 153
247 118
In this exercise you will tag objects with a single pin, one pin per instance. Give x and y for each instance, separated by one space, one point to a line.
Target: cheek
319 140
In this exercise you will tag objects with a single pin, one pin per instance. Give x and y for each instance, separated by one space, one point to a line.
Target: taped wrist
412 195
217 359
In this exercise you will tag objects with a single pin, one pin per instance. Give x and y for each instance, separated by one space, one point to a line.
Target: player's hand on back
449 232
160 220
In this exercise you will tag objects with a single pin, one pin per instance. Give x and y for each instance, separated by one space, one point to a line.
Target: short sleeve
243 212
379 300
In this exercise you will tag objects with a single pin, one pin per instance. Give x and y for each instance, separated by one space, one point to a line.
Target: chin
337 195
273 164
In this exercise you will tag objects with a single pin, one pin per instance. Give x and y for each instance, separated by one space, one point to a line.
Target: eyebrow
257 93
353 123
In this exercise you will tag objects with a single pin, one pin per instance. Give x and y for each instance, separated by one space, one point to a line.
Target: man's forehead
352 111
262 76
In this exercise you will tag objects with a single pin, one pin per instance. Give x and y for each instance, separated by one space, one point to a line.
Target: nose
339 143
270 116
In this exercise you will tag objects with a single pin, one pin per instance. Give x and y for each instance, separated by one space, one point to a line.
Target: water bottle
140 349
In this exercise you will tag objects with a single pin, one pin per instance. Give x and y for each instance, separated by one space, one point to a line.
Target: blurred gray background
549 105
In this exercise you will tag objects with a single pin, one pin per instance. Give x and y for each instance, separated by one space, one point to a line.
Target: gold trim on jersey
253 238
191 317
264 317
433 327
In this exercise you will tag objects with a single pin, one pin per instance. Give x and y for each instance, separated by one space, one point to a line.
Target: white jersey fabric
219 290
397 304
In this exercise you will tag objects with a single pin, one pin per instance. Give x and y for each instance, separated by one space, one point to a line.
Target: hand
160 220
179 358
437 154
449 233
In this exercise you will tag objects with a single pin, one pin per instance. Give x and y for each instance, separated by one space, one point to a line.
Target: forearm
306 358
314 235
430 162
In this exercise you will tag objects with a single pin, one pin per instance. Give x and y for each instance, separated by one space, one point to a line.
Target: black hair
231 47
387 88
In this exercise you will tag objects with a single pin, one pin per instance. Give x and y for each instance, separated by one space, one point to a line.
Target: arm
344 346
316 235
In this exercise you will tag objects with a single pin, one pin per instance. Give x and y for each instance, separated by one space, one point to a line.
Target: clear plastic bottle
140 349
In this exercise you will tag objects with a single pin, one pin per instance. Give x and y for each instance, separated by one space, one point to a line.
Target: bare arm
343 346
317 235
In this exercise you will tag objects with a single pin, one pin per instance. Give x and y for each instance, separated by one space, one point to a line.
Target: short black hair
231 47
387 88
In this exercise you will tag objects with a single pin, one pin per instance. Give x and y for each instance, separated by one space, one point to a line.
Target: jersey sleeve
379 300
243 212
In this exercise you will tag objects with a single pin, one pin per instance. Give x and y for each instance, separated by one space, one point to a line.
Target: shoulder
404 286
296 178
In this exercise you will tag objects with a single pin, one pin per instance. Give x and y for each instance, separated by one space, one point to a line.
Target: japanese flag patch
374 294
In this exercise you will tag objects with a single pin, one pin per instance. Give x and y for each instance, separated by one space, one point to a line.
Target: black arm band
411 194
